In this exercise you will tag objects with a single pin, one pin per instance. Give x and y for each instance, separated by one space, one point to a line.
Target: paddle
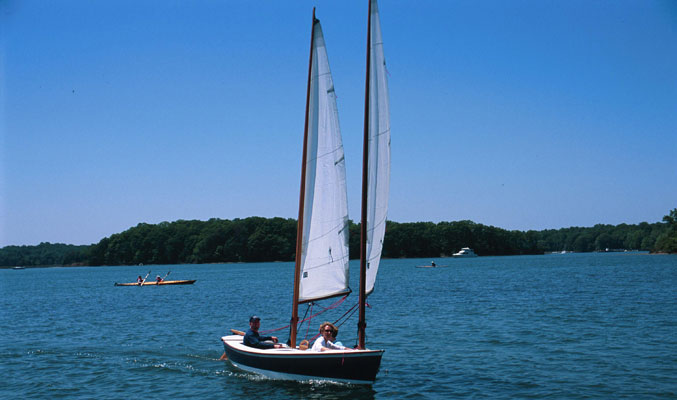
163 278
144 279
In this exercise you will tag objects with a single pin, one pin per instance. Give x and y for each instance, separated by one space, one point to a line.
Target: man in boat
139 280
324 342
158 279
253 339
433 264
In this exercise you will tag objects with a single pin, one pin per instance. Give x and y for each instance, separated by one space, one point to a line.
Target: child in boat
333 337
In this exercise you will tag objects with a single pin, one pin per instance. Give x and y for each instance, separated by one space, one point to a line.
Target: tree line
44 254
258 239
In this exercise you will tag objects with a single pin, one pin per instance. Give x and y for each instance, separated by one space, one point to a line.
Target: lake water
554 326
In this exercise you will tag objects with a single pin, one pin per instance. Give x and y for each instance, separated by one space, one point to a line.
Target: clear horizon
521 115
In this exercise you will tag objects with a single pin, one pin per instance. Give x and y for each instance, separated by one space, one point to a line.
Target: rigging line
351 311
304 316
331 307
326 309
276 329
311 313
335 304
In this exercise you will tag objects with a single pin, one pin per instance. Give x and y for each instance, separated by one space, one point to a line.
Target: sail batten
324 247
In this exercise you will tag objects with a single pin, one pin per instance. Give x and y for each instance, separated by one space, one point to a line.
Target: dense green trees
195 242
274 239
43 254
667 241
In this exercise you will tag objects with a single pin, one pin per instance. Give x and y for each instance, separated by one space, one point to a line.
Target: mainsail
379 150
324 247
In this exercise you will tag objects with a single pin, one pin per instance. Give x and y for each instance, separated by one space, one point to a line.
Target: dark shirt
252 339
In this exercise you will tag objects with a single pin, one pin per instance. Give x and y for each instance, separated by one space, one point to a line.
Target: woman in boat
139 280
324 342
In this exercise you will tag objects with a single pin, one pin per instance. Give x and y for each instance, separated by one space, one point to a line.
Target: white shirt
320 343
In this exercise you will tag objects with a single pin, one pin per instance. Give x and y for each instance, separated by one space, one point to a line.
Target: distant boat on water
432 265
18 267
154 283
465 252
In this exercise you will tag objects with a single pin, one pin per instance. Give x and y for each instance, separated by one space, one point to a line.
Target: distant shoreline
629 252
258 239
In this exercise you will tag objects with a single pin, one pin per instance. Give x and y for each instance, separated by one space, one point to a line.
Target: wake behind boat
321 269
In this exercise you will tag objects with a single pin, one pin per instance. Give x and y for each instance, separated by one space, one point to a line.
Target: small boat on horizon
465 252
432 265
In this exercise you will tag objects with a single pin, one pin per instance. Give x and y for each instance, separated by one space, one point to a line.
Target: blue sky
523 114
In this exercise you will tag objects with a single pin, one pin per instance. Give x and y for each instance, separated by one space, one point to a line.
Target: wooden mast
362 323
299 227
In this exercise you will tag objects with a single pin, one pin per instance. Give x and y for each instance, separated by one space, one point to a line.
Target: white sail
379 150
324 262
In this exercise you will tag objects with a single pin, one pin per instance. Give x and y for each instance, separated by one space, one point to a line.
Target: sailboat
321 269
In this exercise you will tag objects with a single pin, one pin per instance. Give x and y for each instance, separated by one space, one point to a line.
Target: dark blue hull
358 367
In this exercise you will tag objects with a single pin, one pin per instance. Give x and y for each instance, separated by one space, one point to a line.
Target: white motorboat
465 252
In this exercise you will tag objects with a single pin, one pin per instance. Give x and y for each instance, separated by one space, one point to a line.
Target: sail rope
309 310
330 307
349 314
351 311
311 313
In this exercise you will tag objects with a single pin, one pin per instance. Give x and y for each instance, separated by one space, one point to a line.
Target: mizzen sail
379 150
324 251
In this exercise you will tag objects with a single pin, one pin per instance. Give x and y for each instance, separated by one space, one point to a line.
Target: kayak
153 283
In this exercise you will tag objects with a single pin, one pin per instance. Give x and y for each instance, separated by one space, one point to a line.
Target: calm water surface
556 326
